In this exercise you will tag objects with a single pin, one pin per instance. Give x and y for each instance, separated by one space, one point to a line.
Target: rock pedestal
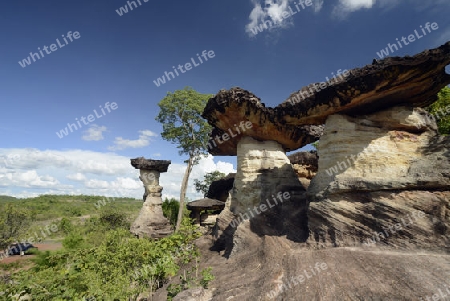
266 187
151 222
383 181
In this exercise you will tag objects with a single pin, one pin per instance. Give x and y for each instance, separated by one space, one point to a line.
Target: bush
66 225
121 267
114 219
170 210
73 241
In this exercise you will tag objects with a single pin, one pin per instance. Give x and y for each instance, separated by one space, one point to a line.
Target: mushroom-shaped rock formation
237 112
390 82
219 189
151 222
204 204
377 145
305 165
296 122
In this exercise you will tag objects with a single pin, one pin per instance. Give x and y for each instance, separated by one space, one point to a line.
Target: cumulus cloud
348 6
79 177
29 179
94 133
345 7
143 140
271 13
31 172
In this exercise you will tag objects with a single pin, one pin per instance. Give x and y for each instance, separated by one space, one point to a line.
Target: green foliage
73 241
170 210
180 115
206 277
66 225
315 144
14 222
50 207
119 267
441 110
114 219
203 186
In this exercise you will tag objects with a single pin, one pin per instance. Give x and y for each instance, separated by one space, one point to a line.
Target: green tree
180 115
440 109
14 222
170 210
203 186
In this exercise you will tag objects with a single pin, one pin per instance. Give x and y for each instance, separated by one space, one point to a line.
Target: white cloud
94 133
345 7
96 184
348 6
318 4
34 172
79 177
144 140
272 12
28 179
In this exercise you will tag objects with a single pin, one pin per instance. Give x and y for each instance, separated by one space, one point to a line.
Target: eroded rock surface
305 165
395 149
219 189
263 170
412 219
151 222
395 81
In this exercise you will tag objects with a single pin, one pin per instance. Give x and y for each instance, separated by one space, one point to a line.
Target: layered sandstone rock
386 83
263 170
236 113
220 189
395 149
151 222
305 165
376 174
378 148
407 219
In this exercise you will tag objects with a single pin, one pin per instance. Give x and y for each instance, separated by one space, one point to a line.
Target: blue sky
117 58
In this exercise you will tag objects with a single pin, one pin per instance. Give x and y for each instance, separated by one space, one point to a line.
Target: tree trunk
183 192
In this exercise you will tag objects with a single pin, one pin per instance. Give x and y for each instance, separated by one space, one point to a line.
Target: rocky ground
350 273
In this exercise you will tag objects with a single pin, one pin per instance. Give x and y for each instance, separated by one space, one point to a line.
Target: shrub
170 210
114 219
66 225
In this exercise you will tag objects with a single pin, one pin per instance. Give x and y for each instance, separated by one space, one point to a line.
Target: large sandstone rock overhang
413 81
